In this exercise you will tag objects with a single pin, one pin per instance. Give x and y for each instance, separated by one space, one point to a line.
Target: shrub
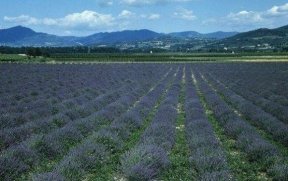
279 172
208 160
24 153
222 175
108 138
83 158
11 168
256 148
144 162
49 176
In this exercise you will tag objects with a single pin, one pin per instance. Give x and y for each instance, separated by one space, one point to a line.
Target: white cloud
185 14
23 20
86 19
247 20
81 22
105 3
125 14
153 16
245 17
277 11
49 21
149 2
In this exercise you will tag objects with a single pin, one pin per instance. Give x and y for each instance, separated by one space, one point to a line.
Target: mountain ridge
266 37
194 34
23 36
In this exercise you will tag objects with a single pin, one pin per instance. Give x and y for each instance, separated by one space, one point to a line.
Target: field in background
4 58
200 121
168 57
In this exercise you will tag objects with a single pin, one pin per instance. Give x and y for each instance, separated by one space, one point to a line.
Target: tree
33 52
29 52
37 52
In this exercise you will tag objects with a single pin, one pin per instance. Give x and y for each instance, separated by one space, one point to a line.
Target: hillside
193 34
15 34
120 37
262 38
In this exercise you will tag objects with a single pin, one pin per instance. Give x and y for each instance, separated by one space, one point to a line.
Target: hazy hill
193 34
120 37
15 34
22 36
273 37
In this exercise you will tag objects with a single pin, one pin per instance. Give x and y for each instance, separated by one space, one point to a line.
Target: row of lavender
93 125
96 150
266 88
16 135
42 108
276 109
207 156
148 158
265 79
30 153
248 140
256 115
71 109
56 87
49 143
32 93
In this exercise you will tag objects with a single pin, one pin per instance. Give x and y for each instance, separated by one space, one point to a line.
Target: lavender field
138 122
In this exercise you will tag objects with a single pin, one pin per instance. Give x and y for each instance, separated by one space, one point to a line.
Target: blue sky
84 17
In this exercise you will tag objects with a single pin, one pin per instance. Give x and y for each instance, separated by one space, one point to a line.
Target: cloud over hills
85 19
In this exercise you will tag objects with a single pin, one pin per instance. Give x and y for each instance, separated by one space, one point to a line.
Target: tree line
47 51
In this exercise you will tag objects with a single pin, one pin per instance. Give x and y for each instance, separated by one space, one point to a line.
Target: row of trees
46 51
30 52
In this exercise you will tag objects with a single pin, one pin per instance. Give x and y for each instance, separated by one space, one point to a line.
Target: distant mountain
126 36
193 34
260 33
22 36
43 39
283 29
220 34
186 34
273 37
14 34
